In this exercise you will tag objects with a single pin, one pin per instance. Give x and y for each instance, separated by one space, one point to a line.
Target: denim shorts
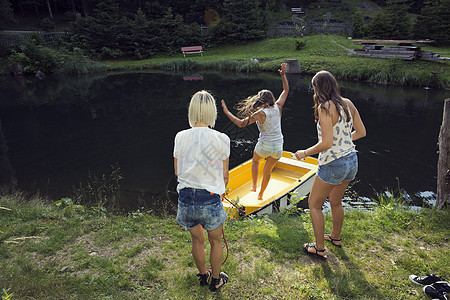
273 149
343 168
198 206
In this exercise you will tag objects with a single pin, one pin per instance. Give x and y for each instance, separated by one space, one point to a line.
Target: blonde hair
202 109
250 105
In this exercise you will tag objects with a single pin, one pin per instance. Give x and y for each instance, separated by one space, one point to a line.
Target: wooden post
443 172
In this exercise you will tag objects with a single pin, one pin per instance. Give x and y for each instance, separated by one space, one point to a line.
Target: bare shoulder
349 103
326 105
259 116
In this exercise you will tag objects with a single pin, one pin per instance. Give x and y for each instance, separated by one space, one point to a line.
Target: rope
226 246
237 207
223 232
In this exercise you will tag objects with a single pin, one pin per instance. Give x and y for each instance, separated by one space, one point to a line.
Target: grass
50 252
321 52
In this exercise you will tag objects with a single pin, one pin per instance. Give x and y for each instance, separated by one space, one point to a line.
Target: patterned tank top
342 140
270 131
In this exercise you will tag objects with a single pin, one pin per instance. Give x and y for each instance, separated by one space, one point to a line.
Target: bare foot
260 197
253 189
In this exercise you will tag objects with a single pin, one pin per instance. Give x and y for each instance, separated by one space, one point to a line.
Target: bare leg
337 211
255 168
216 255
198 249
268 167
317 197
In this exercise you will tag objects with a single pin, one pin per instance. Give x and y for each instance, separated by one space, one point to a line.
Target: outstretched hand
224 106
282 70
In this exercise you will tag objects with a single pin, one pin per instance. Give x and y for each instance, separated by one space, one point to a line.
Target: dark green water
57 131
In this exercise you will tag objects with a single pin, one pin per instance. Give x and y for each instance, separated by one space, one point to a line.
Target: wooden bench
192 49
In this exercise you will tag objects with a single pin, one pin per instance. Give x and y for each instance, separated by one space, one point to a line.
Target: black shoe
431 291
217 283
204 278
425 280
442 286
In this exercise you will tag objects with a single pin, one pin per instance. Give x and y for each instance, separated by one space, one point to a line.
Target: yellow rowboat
289 178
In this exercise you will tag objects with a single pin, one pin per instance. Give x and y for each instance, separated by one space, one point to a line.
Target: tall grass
74 66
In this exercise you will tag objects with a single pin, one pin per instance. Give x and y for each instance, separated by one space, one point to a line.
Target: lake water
58 132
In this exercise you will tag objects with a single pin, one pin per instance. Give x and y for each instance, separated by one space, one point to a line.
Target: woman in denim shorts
265 110
338 125
201 164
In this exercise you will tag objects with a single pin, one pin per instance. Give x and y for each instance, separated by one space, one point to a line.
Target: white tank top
270 131
342 140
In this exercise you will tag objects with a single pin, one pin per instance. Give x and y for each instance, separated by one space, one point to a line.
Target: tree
359 28
241 21
391 22
433 23
6 13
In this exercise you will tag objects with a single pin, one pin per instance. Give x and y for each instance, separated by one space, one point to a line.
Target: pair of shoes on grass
434 286
216 283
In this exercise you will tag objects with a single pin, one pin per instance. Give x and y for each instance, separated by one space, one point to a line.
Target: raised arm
242 122
282 98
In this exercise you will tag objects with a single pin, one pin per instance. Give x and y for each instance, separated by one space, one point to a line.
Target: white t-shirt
200 152
270 131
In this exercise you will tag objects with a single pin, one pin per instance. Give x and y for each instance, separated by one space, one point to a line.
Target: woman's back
342 135
200 152
270 130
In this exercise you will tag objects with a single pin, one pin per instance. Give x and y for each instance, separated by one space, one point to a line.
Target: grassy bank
320 52
70 252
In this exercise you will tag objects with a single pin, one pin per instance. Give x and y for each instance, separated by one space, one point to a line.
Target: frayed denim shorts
273 149
343 168
198 206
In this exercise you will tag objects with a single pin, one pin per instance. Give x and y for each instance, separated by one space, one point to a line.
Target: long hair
327 88
247 107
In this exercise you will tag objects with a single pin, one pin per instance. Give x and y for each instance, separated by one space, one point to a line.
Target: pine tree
433 22
242 20
6 13
359 28
392 22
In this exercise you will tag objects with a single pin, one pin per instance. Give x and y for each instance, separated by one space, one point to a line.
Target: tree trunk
443 176
85 8
49 10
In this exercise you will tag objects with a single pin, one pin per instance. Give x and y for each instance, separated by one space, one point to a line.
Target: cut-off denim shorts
343 168
273 149
198 206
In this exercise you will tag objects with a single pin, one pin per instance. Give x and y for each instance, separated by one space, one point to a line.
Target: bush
34 57
46 24
299 45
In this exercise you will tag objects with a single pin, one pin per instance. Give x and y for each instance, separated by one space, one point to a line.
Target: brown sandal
330 239
306 246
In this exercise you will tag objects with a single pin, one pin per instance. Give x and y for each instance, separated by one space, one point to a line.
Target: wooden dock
404 49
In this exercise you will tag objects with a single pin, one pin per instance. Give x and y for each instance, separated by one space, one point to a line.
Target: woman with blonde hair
201 157
265 110
338 125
